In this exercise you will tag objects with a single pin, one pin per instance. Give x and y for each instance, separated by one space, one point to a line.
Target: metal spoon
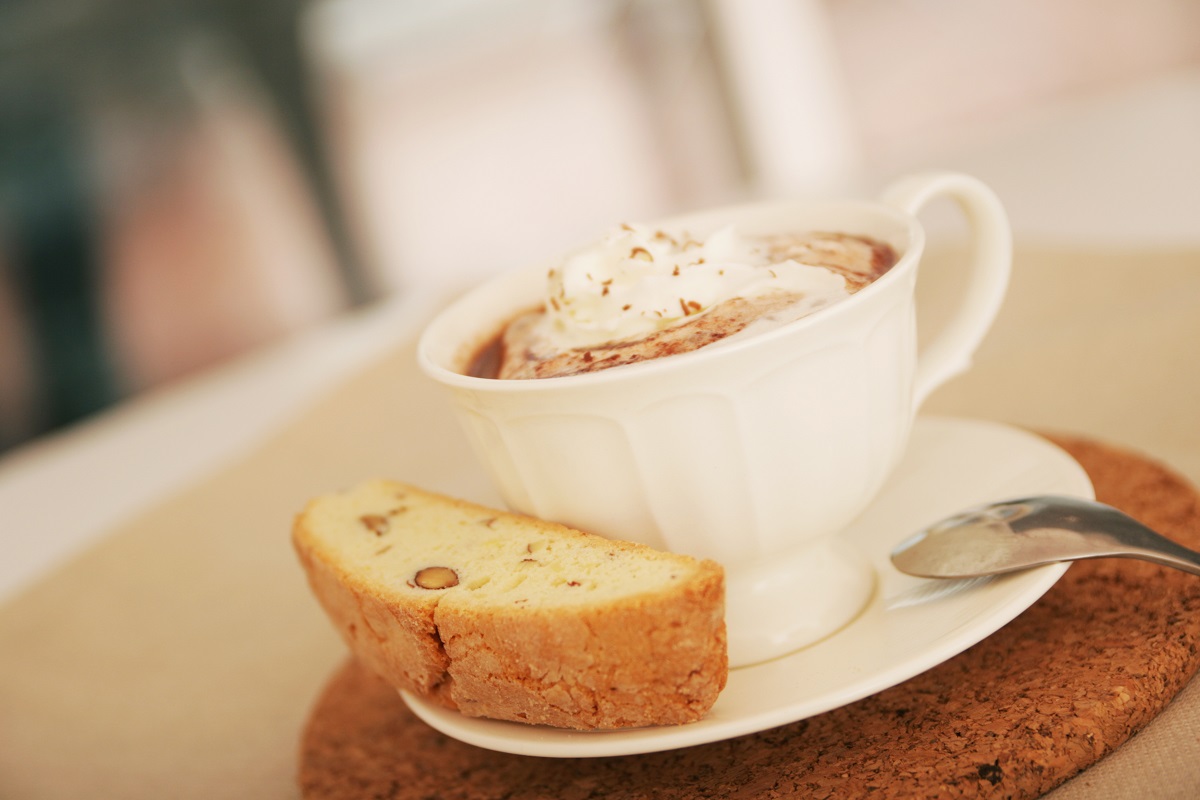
1018 534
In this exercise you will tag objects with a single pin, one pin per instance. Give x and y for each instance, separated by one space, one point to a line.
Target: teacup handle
949 353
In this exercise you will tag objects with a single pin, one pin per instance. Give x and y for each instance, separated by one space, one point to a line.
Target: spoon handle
1109 532
1161 550
1139 541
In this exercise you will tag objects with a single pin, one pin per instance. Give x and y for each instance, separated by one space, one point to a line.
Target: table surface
1097 338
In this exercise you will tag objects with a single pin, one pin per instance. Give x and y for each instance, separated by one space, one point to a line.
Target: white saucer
909 626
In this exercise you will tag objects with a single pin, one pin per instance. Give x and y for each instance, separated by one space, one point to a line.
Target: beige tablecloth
180 656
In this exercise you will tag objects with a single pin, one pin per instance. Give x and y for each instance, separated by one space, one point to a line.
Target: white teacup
754 453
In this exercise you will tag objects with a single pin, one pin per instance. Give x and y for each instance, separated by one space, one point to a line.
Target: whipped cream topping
639 280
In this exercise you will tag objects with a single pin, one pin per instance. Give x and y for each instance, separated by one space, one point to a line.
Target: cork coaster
1045 697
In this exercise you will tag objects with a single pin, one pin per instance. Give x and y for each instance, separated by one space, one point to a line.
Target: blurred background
182 182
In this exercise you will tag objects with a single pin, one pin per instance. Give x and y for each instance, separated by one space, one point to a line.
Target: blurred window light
479 135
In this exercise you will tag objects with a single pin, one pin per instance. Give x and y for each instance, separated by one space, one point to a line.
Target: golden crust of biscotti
544 624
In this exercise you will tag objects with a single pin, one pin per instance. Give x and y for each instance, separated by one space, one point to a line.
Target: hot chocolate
642 293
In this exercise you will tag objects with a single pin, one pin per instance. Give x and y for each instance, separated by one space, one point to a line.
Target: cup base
792 600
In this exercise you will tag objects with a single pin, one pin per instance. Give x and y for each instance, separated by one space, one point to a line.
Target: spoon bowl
1030 532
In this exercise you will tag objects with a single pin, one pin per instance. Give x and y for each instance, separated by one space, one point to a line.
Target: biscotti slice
509 617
